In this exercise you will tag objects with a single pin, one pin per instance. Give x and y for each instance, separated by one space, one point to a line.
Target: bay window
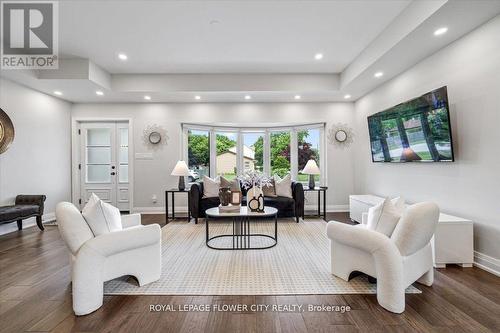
253 151
227 154
231 151
280 153
198 153
308 148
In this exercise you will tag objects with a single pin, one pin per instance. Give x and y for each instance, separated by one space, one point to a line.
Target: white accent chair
135 250
395 262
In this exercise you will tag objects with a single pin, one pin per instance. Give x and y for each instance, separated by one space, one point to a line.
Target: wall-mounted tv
418 130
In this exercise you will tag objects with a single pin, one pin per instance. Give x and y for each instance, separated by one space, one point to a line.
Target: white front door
104 163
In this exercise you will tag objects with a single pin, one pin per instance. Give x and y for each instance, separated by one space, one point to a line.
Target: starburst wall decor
155 136
341 135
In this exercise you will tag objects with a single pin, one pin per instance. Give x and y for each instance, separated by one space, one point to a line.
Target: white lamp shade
311 168
181 169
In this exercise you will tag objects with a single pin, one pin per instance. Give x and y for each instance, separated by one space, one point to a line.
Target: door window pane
308 149
98 155
98 174
280 153
226 154
123 174
253 151
198 154
98 159
123 156
99 137
124 137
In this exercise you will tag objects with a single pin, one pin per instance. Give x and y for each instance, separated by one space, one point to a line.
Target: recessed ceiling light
297 97
318 56
58 93
248 97
122 56
197 97
347 96
99 93
147 97
378 74
440 31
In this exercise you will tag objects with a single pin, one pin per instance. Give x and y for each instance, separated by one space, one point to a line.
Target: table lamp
311 169
181 170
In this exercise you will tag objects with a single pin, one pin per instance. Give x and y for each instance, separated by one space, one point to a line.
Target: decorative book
229 208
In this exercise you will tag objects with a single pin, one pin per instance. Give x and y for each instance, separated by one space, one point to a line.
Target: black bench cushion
9 213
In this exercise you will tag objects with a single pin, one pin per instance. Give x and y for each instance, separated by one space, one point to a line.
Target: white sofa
135 250
396 262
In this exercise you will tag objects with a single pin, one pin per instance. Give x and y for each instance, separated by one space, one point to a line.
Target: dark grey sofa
287 207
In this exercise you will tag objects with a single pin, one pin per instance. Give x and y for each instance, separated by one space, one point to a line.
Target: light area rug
298 264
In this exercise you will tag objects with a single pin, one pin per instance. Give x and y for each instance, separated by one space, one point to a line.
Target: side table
172 192
319 189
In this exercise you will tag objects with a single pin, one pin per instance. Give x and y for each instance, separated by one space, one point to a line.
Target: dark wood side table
172 192
319 190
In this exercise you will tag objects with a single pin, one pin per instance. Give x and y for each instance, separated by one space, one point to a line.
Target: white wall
469 187
152 177
38 161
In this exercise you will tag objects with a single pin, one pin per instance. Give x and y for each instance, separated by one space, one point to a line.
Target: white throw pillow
383 217
234 185
93 199
283 186
211 187
399 203
101 217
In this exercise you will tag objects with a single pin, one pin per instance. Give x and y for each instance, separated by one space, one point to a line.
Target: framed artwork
235 198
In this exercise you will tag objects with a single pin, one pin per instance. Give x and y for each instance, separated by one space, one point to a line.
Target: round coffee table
242 221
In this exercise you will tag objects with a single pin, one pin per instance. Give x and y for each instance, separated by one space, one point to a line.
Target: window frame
266 131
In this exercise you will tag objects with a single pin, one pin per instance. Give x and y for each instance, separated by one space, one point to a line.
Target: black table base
242 235
172 192
319 190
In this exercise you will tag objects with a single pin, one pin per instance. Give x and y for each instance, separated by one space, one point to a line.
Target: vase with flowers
253 181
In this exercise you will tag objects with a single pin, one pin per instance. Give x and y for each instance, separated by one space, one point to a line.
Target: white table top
375 200
214 212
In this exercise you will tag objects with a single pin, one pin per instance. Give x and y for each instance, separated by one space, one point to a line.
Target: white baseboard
158 210
487 263
329 208
183 209
28 223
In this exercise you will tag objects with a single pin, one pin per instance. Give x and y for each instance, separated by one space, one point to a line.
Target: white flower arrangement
251 178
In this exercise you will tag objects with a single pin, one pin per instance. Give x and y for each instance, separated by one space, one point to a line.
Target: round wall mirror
154 138
340 136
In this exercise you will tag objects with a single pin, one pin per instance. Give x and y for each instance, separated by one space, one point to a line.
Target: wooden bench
26 206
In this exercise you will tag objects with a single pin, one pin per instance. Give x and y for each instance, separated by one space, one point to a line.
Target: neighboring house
226 162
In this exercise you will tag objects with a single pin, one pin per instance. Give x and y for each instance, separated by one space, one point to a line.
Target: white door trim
75 155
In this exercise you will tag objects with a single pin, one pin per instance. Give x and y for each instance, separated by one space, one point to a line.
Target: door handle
113 173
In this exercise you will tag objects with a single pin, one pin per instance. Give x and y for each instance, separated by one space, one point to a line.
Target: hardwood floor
35 296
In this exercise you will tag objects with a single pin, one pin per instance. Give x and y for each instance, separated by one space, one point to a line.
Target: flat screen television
414 131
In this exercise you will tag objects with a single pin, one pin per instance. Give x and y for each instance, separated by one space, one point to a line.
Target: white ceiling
262 48
222 36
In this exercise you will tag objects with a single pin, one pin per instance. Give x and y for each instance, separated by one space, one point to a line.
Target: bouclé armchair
135 250
395 262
